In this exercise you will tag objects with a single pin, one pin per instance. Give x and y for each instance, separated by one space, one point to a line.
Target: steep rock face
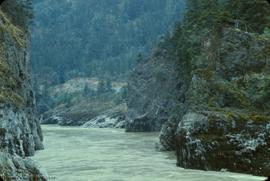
153 94
21 133
227 122
217 112
19 128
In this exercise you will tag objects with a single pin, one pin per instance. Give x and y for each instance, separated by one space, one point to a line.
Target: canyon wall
206 89
20 132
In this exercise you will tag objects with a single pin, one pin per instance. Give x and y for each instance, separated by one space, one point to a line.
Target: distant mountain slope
97 37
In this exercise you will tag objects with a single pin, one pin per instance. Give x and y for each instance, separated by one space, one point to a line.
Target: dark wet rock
51 120
144 124
167 136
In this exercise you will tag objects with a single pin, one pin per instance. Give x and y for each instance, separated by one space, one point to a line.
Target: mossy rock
11 97
16 33
206 73
233 96
9 87
10 83
229 138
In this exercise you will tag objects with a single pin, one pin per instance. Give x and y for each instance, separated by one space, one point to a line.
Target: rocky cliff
209 90
20 132
227 122
153 93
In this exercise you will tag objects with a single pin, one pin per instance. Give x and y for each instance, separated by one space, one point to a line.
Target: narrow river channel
76 154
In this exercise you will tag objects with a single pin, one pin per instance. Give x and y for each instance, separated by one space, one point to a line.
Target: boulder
229 140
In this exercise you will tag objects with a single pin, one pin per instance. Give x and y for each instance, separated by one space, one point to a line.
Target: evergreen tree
111 32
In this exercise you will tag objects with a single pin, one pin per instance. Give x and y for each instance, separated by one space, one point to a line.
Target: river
77 154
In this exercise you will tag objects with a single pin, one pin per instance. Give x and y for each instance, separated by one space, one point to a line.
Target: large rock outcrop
153 93
20 132
228 119
214 108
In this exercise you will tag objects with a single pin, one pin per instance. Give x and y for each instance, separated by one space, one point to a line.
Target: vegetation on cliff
20 129
9 92
228 85
221 53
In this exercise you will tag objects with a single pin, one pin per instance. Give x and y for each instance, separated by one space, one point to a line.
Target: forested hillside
207 88
97 37
82 51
